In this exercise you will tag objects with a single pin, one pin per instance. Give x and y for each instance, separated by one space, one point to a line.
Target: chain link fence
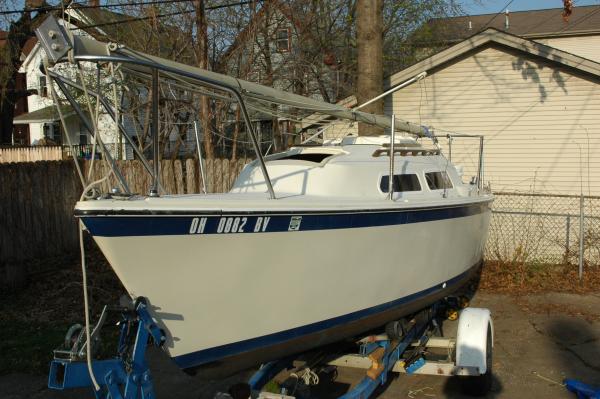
541 228
531 227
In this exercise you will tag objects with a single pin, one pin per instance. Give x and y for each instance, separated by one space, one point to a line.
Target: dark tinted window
401 183
310 157
438 180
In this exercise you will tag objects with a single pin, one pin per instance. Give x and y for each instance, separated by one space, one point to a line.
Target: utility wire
567 26
580 20
128 20
85 6
560 11
495 15
140 3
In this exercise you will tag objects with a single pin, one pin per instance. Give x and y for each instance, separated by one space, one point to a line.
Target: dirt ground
540 339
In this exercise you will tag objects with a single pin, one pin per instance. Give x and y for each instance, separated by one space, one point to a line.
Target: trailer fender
471 338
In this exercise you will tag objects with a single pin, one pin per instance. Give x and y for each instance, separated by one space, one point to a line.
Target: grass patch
35 318
27 347
535 277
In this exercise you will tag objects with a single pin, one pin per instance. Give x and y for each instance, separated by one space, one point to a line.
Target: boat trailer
406 347
126 376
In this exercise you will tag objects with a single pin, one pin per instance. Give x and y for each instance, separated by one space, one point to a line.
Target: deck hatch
316 157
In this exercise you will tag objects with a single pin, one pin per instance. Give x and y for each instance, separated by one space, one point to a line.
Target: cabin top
358 167
353 174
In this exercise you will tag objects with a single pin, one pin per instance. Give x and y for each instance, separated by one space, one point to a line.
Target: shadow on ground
578 342
453 388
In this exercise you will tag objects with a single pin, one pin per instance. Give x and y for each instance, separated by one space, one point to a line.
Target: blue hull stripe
220 352
157 225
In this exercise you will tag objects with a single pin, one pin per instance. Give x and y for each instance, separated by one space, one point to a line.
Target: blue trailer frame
127 376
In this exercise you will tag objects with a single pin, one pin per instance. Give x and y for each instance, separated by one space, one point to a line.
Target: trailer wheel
394 330
481 385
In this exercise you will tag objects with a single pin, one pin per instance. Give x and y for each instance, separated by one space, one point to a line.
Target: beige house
537 106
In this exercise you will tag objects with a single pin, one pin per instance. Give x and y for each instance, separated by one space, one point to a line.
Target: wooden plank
219 176
37 205
191 178
167 179
225 167
30 154
210 175
178 174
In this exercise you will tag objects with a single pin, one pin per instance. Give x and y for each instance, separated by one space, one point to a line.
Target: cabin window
438 180
282 40
402 183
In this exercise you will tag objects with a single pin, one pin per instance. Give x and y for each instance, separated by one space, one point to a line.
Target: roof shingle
527 24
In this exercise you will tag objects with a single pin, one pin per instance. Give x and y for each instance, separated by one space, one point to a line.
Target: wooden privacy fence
37 199
30 154
36 209
177 177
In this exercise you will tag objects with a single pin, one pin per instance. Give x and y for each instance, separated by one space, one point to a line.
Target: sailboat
310 246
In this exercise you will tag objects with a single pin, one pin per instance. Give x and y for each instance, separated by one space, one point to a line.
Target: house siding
540 121
583 46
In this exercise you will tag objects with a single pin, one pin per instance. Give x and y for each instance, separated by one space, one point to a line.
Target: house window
438 180
42 87
52 132
282 40
83 137
402 183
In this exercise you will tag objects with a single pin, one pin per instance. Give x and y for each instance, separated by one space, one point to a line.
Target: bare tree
20 30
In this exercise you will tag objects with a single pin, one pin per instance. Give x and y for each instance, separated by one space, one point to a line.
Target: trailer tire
482 384
394 330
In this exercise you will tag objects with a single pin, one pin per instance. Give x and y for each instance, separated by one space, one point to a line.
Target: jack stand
125 377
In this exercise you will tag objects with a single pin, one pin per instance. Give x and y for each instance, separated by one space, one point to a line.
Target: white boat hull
224 295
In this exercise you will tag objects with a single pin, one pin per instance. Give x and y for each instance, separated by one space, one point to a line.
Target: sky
474 7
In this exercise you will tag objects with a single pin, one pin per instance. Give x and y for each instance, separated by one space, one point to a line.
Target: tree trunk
18 34
369 26
202 57
264 36
236 135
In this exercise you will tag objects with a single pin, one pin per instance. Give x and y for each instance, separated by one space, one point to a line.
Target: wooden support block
377 364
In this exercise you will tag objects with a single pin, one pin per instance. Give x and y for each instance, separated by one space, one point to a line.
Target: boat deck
261 202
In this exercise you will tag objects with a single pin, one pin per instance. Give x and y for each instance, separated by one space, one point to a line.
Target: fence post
581 222
568 240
